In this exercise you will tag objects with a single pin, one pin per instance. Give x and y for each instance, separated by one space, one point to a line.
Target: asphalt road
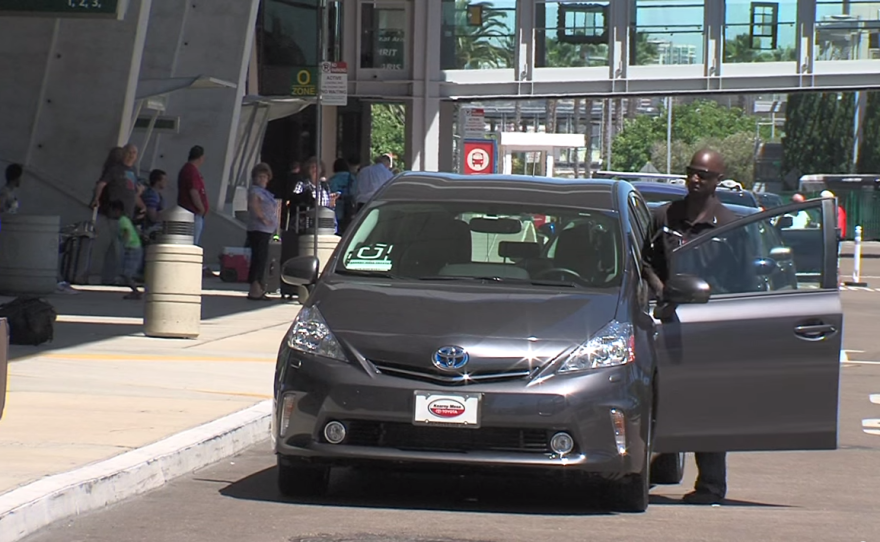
804 496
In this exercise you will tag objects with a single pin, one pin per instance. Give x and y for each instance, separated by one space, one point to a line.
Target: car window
760 255
480 240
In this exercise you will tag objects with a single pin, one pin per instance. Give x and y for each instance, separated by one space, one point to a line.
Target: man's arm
652 252
196 198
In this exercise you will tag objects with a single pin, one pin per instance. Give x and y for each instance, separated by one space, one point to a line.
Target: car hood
501 328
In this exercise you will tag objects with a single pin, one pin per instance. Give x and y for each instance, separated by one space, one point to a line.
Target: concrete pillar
67 99
423 134
328 137
447 136
423 112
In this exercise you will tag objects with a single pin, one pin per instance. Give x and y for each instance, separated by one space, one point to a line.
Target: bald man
675 223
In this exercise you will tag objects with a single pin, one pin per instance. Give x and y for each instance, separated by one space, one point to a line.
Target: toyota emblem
450 358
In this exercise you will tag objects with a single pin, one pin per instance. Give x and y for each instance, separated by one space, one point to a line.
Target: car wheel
632 491
301 480
667 469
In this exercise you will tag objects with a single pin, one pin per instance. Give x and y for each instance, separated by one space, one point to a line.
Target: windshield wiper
458 277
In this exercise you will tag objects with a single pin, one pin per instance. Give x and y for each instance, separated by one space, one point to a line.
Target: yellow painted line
139 357
236 393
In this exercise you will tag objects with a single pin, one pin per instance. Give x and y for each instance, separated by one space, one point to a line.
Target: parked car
425 343
768 200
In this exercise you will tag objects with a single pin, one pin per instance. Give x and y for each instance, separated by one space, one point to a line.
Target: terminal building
238 76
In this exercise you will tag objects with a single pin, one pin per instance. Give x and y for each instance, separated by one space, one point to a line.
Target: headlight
611 346
309 333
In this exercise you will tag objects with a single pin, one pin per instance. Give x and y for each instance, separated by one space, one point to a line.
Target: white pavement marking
872 427
843 357
29 508
874 398
850 361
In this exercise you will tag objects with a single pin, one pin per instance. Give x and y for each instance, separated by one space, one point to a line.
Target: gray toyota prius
483 322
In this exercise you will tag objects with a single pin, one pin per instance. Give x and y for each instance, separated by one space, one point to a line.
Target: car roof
516 189
740 210
659 188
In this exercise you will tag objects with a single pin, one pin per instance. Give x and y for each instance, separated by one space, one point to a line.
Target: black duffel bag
31 321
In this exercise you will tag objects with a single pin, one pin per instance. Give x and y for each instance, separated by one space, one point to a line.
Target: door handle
814 332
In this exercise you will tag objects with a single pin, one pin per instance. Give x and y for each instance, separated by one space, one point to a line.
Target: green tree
488 46
738 150
818 133
702 120
869 151
387 134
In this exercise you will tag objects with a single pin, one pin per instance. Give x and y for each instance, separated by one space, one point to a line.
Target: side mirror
686 289
300 271
784 222
781 254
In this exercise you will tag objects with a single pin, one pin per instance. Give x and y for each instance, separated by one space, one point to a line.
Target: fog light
334 432
287 404
618 422
562 443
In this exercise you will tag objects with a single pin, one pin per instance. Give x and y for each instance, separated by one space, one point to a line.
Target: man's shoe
702 497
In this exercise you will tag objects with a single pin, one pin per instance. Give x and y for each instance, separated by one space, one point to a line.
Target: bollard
173 303
857 261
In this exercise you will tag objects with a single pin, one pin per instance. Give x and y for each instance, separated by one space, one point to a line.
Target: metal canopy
148 88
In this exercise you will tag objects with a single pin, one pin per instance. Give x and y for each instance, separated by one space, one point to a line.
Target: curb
29 508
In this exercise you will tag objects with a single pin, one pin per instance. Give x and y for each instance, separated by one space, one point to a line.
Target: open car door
757 366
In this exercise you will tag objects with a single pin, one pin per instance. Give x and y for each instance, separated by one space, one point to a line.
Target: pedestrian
191 193
262 225
9 193
678 222
312 190
118 182
343 183
371 178
133 251
154 200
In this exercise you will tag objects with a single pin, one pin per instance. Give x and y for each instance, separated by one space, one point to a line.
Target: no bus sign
479 157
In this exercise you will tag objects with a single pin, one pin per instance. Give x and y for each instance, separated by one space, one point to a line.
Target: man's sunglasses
703 174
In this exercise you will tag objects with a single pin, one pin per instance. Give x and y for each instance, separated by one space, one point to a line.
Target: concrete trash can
29 254
173 302
327 238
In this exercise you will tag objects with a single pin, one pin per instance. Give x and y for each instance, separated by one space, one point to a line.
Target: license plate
461 409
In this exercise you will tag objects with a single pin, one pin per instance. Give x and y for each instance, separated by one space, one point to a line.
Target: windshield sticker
371 258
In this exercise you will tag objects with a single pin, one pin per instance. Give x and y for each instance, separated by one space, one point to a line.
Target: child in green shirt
133 254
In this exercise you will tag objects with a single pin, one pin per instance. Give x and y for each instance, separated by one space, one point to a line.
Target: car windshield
737 197
488 242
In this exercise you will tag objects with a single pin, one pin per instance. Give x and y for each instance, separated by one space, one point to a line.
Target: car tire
302 480
667 469
632 492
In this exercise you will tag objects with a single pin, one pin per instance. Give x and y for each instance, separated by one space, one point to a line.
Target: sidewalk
102 388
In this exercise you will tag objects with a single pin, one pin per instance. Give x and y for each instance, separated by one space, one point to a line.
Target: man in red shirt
191 190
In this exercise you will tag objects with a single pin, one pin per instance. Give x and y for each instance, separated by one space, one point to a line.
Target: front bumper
517 418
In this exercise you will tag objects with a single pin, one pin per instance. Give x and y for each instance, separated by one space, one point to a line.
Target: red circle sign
446 408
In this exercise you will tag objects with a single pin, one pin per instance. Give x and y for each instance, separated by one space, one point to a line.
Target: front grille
405 436
435 377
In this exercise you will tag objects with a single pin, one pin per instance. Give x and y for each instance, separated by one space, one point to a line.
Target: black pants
258 241
712 477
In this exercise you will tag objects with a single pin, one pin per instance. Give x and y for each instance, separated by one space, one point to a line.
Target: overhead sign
472 122
65 8
480 157
334 83
304 83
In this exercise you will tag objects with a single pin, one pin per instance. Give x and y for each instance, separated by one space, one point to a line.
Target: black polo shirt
672 227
